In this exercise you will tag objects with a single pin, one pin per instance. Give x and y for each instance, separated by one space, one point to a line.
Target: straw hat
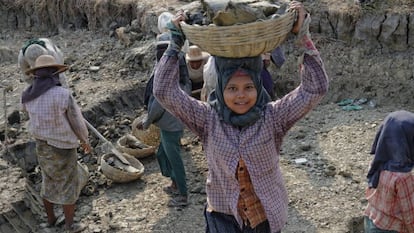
195 54
44 61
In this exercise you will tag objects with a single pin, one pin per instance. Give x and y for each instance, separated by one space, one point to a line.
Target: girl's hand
300 9
86 148
178 17
177 35
140 126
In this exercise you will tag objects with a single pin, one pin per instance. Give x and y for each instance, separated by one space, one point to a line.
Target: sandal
179 201
75 228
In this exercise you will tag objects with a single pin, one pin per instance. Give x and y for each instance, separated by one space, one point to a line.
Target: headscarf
32 42
225 68
393 147
44 79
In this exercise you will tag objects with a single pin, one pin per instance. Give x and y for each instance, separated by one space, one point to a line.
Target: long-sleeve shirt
157 114
56 118
258 145
391 204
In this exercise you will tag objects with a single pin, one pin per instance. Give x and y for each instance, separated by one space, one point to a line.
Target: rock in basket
241 40
131 145
118 172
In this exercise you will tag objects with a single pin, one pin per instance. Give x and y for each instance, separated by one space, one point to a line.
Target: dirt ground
324 158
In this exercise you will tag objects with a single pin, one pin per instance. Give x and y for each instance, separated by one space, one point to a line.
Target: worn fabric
218 223
171 130
258 144
31 51
156 112
267 82
196 75
209 78
56 118
44 80
62 176
32 42
169 159
162 21
177 40
369 227
249 206
391 204
393 146
277 56
225 68
210 75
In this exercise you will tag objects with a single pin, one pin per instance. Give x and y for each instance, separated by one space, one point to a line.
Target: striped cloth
391 204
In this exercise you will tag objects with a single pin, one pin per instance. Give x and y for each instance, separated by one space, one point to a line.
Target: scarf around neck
225 68
44 79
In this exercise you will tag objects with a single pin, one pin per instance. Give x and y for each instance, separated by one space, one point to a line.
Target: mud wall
377 29
368 53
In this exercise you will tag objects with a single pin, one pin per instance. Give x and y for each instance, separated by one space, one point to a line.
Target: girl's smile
240 94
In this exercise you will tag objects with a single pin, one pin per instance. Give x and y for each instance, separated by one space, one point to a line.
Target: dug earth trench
367 50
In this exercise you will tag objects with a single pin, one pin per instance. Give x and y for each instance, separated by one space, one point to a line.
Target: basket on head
241 40
117 174
131 145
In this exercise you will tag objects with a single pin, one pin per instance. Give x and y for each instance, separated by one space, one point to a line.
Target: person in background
242 129
278 58
390 191
209 79
57 124
32 49
196 59
169 151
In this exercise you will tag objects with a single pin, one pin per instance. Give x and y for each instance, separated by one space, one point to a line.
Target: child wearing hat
196 59
58 126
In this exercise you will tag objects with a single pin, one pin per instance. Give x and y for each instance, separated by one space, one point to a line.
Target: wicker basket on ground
131 145
241 40
150 137
113 168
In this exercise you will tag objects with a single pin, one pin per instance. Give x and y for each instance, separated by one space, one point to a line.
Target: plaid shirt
391 204
249 205
258 145
56 118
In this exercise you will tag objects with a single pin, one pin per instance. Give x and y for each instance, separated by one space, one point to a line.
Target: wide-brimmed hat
195 54
44 61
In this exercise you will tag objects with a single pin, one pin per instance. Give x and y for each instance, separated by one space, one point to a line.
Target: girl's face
240 94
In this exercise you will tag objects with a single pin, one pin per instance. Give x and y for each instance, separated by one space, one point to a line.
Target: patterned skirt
63 177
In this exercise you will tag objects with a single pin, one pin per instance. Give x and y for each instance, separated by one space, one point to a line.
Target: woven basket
123 145
150 137
241 40
119 175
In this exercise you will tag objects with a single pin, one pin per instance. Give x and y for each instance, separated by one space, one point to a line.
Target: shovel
107 145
